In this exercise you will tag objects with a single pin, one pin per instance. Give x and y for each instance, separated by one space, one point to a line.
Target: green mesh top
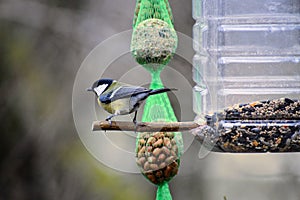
152 9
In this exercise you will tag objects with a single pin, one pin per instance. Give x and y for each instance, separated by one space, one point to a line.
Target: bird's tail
162 90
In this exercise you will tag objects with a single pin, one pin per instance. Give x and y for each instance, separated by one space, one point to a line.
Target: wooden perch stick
144 126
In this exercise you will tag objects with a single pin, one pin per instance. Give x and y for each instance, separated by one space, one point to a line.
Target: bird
119 98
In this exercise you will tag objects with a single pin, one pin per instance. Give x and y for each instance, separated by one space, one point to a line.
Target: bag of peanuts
158 155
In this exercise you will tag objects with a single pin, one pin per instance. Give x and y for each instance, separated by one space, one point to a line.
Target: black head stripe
102 82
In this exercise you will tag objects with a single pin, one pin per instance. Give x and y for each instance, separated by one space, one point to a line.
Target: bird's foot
109 118
109 121
135 124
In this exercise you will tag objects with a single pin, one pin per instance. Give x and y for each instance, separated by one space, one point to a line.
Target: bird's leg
134 120
109 118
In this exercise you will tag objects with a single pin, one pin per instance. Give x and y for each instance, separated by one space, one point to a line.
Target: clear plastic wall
247 54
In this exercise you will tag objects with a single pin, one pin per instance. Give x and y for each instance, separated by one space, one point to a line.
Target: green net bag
154 39
158 153
153 44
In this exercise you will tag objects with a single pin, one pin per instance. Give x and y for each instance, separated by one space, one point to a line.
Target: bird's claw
109 121
135 124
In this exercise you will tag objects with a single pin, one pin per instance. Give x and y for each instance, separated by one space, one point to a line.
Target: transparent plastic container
247 53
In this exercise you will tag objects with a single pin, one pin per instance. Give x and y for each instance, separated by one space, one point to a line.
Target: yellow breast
120 106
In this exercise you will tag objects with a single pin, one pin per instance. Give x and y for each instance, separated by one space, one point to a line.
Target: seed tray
283 108
259 135
261 126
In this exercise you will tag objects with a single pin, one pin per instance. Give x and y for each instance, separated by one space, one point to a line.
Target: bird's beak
89 89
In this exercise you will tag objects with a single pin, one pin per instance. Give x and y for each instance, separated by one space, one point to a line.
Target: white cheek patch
99 90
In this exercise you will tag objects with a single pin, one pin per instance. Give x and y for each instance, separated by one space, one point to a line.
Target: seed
170 159
161 157
142 150
288 141
255 104
138 148
151 159
167 142
166 150
173 141
158 143
158 135
255 143
141 161
142 142
157 151
170 135
265 144
168 172
145 135
173 153
174 171
146 166
149 149
295 135
154 167
175 149
255 130
151 178
151 140
174 165
162 165
139 155
286 100
278 141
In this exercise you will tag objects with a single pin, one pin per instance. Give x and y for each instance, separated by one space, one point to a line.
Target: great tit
121 99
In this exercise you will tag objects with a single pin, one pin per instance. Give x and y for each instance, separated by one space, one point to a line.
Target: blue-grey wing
123 92
136 100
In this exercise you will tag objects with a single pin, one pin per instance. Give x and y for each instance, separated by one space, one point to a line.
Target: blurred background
43 44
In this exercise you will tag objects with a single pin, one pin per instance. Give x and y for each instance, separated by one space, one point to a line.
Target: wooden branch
144 126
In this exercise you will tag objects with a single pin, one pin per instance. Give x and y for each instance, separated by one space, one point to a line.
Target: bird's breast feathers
120 106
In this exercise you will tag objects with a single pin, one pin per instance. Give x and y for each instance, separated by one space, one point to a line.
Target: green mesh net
158 153
154 39
152 9
153 44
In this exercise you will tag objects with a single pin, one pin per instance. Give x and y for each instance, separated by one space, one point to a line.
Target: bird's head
100 86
